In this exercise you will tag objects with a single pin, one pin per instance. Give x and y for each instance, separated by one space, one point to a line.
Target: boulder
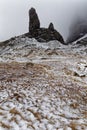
42 34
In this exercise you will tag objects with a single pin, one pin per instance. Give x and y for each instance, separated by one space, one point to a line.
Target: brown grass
16 112
36 114
4 125
14 119
74 105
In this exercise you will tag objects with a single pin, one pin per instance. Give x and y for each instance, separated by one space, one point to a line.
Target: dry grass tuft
73 125
74 105
29 64
14 119
4 125
16 112
36 114
1 113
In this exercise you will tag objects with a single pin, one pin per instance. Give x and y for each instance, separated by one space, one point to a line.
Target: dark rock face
77 30
34 22
45 35
42 34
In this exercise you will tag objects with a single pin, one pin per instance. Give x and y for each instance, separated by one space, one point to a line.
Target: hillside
43 86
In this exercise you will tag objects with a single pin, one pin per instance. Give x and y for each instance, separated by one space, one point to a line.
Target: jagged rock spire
34 22
51 26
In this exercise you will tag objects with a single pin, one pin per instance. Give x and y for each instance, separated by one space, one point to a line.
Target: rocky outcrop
77 30
51 27
42 34
34 22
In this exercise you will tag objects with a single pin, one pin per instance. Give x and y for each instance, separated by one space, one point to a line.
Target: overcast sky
14 15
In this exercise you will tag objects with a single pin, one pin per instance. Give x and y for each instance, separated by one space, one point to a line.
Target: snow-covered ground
43 86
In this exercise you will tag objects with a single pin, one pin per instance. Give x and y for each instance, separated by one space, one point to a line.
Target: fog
14 15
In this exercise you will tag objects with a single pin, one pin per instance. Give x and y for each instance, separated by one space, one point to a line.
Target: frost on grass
46 90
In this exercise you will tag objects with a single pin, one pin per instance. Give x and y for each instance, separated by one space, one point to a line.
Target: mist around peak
78 26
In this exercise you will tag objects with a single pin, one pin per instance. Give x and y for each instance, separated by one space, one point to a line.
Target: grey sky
14 15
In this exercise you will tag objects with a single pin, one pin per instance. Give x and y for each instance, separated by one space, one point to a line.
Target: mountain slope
43 86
